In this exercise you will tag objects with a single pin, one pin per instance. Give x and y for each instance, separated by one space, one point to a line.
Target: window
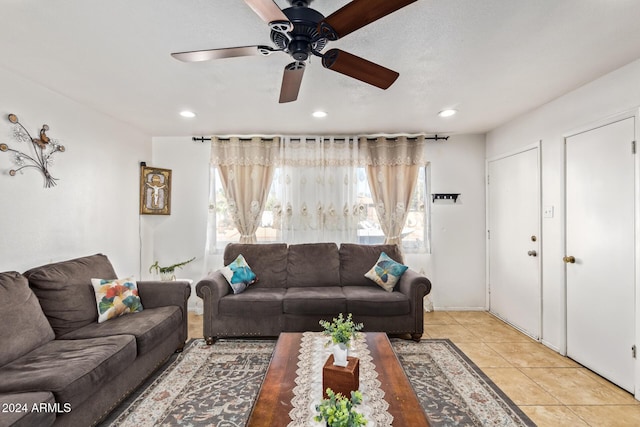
415 235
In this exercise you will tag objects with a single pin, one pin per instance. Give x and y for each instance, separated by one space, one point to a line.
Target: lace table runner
308 389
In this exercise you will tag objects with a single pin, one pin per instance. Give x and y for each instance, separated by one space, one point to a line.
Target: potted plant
341 331
339 411
168 273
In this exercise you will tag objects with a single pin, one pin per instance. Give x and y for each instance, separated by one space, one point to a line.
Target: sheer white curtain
392 167
246 168
315 190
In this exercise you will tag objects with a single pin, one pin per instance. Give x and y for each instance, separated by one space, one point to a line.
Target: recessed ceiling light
319 114
447 113
188 114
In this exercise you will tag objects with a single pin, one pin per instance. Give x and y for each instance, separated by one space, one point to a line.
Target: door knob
532 253
569 259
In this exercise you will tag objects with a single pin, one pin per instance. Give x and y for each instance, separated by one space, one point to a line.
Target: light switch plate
547 212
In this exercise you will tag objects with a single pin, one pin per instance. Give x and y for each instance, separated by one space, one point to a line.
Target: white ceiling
490 59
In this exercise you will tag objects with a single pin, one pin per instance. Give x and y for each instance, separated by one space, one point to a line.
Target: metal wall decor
155 191
41 148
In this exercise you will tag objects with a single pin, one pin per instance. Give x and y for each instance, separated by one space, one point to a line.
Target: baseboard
551 346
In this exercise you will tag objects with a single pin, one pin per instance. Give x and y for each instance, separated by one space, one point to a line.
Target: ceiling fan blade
270 13
291 81
359 68
228 52
357 14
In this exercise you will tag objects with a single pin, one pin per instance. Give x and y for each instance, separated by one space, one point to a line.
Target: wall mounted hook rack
445 196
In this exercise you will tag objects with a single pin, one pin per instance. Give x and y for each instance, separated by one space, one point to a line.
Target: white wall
181 235
94 207
456 265
613 93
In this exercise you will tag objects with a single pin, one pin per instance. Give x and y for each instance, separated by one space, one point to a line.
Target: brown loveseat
298 285
58 365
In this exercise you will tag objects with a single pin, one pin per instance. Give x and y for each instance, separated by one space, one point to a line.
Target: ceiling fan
301 31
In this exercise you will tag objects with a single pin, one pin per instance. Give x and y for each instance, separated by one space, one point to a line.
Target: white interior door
600 250
513 193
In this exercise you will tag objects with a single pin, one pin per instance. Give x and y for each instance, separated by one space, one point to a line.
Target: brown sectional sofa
298 285
58 365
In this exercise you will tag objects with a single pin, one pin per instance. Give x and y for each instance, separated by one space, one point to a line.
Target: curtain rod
436 137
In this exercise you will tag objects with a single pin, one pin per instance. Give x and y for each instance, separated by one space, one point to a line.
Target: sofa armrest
155 293
415 286
412 283
211 289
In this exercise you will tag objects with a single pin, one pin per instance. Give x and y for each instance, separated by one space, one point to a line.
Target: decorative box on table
341 380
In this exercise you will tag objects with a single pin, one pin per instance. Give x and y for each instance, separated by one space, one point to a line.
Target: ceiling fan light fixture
448 112
187 114
319 114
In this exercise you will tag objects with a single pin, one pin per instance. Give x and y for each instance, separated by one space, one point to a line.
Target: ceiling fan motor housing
304 38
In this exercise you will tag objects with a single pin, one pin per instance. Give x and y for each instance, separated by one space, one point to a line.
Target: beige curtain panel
246 168
392 169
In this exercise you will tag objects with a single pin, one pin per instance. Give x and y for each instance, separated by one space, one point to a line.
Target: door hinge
633 147
633 351
488 234
488 179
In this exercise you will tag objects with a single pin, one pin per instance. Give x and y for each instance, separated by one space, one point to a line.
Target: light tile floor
551 389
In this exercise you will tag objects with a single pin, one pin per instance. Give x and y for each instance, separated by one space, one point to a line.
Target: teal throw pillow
239 275
386 272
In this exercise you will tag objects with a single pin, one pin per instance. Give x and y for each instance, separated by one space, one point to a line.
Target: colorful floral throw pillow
239 275
116 297
386 272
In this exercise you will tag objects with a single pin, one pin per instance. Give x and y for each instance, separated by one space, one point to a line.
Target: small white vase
350 346
340 354
167 277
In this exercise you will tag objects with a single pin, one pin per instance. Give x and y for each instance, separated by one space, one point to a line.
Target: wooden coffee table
274 401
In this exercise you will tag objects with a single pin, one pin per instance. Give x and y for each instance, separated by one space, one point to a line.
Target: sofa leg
416 337
209 340
179 349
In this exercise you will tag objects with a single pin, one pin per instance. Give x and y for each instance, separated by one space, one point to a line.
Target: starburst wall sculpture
42 149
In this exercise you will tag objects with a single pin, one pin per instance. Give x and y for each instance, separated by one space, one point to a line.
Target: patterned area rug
452 390
217 386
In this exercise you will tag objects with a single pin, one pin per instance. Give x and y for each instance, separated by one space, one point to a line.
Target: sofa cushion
268 261
65 292
115 298
313 264
239 274
72 370
386 272
315 300
368 301
254 302
356 260
24 325
148 327
24 409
